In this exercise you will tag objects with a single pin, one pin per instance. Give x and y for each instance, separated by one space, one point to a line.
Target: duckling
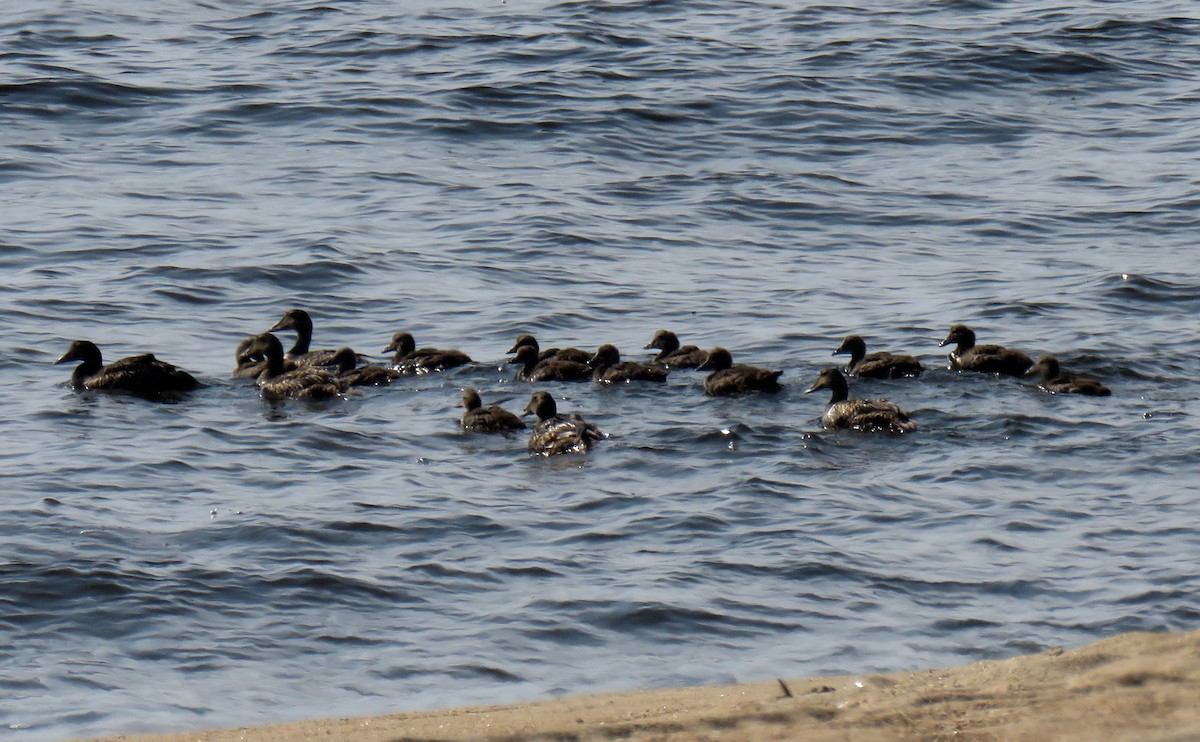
251 368
728 378
411 360
303 382
344 366
487 419
144 375
608 368
551 369
554 434
879 365
671 355
298 320
574 355
871 415
1057 381
991 359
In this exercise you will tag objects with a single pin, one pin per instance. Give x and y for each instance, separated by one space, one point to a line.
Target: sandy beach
1138 685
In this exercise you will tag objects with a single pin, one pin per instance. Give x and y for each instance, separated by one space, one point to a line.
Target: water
766 177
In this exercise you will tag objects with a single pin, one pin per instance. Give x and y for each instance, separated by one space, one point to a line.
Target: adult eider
144 375
555 434
482 419
551 369
574 355
303 382
608 368
344 366
878 365
410 359
871 415
728 378
671 355
988 359
1057 381
299 321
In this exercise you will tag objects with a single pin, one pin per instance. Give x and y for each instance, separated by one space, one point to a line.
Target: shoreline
1136 685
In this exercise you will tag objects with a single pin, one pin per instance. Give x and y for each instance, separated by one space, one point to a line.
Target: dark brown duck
555 434
411 360
574 355
551 369
144 375
988 359
299 321
671 355
608 368
303 382
869 415
878 365
482 419
344 366
1057 381
728 378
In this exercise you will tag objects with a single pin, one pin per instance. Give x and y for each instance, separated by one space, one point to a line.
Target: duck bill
282 324
814 388
945 342
389 349
66 357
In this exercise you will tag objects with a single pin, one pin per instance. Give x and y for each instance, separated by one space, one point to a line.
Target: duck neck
304 332
839 390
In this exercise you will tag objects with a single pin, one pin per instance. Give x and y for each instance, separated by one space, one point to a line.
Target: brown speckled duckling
870 415
410 360
551 369
299 321
482 419
303 382
143 375
988 359
344 366
575 355
671 355
608 368
555 434
1057 381
728 378
879 365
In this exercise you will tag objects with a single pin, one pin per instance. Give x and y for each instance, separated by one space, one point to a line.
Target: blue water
175 175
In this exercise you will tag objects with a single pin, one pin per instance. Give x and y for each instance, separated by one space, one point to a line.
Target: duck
299 321
728 378
250 368
1057 381
878 365
482 419
551 369
303 382
144 375
608 368
989 359
411 360
870 415
344 366
574 355
671 355
555 434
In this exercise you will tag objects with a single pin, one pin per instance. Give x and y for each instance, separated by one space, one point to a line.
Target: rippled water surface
766 177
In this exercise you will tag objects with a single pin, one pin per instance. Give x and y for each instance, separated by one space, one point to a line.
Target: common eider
551 369
574 355
555 434
728 378
482 419
303 382
1057 381
608 368
344 366
878 365
411 360
990 359
671 355
299 321
144 375
871 415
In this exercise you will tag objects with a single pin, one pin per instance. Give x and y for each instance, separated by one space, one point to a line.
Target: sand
1139 686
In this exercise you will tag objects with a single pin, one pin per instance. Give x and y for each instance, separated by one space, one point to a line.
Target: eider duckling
410 359
1057 381
878 365
551 369
608 368
144 374
303 382
554 434
870 415
298 320
563 354
482 419
989 359
728 378
671 355
345 367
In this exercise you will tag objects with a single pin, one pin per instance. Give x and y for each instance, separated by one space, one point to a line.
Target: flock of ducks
303 373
